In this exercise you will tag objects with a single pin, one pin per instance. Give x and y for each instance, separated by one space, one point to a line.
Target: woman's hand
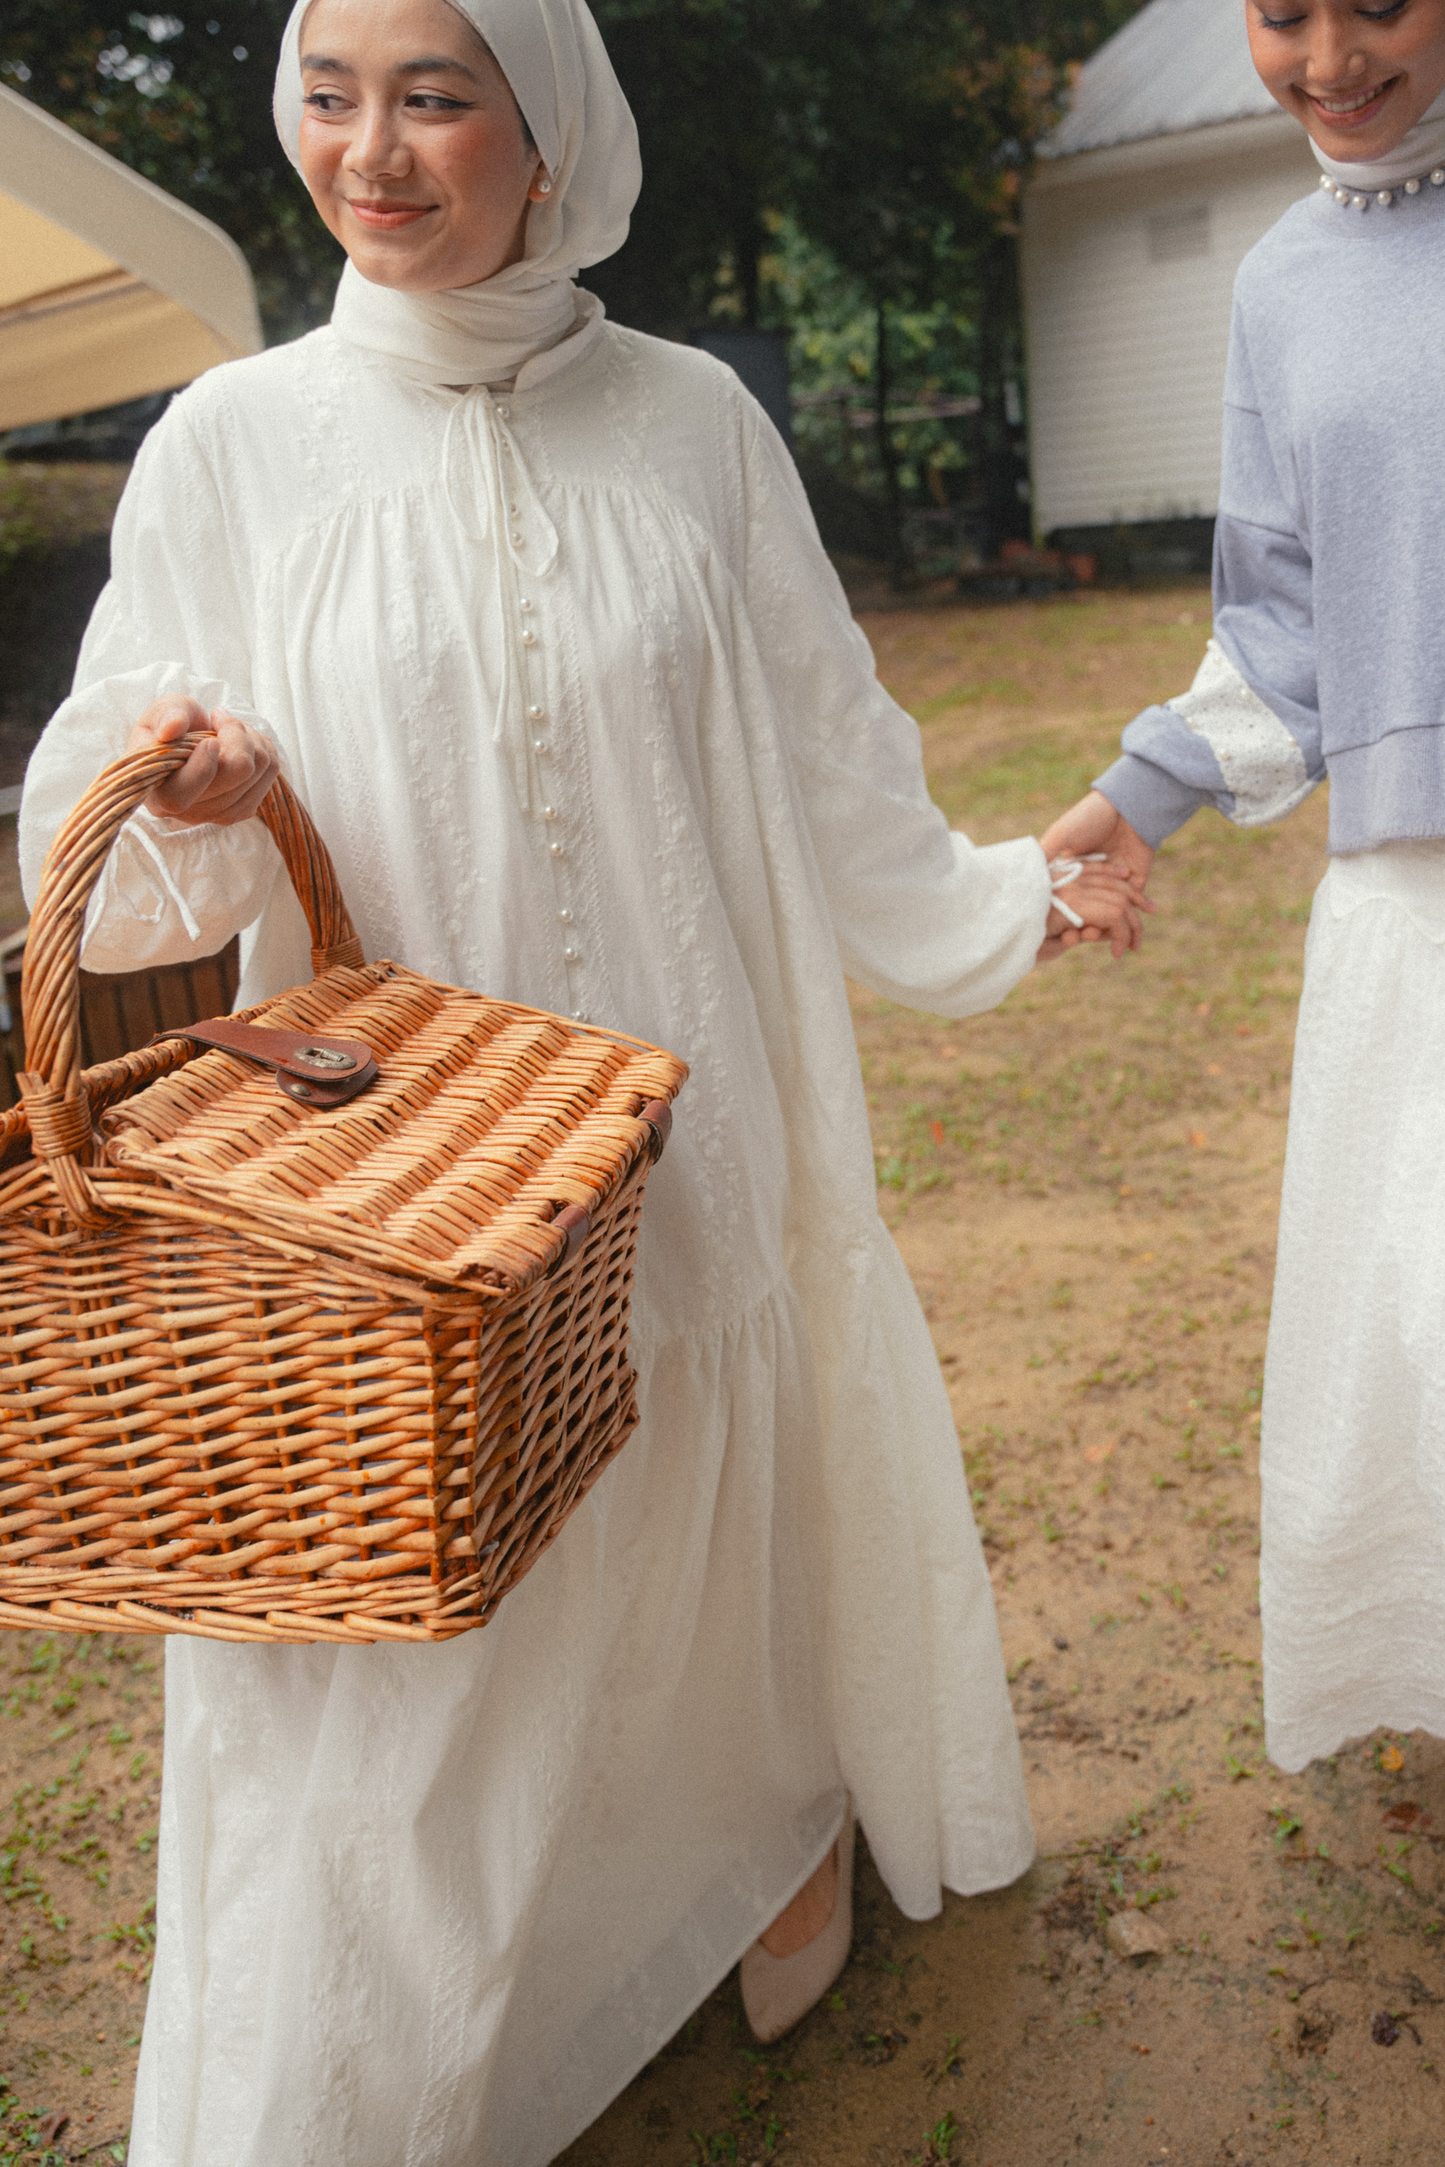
224 779
1092 825
1109 901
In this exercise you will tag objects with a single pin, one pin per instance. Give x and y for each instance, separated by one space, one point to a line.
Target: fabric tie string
497 478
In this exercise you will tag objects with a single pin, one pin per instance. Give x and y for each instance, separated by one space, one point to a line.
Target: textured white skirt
435 1907
1352 1582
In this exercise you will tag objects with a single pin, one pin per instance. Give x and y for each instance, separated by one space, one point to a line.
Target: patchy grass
1084 1186
80 1746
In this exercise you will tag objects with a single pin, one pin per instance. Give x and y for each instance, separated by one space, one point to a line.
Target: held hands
1092 825
1108 892
224 779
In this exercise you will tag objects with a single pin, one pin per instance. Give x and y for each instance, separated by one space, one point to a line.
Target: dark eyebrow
434 64
429 64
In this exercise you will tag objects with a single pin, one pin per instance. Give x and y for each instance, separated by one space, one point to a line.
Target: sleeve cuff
1154 803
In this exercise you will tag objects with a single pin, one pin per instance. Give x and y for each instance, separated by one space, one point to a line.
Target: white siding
1128 266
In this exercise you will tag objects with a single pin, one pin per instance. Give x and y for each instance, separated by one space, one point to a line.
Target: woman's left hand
1111 903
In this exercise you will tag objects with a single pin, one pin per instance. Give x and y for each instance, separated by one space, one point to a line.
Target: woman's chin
415 273
1379 138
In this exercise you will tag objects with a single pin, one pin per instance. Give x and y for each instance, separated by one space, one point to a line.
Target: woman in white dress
533 612
1328 660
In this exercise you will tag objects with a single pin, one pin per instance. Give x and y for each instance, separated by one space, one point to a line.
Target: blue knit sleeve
1246 738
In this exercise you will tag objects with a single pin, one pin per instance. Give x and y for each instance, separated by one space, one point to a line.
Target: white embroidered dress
576 701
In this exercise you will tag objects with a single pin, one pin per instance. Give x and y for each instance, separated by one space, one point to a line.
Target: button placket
540 729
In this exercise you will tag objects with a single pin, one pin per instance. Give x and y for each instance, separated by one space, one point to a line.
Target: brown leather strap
657 1113
315 1071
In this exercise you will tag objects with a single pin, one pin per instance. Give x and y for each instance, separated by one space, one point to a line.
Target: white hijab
1419 151
552 54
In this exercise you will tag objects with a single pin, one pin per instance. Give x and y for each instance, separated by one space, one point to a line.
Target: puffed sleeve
921 914
171 620
1245 738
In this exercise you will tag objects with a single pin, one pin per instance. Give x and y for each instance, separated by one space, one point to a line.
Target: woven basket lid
485 1121
467 1161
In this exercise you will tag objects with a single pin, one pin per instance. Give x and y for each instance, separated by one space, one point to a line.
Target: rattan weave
274 1373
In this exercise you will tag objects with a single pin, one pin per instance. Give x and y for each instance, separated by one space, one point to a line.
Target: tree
892 134
895 133
711 83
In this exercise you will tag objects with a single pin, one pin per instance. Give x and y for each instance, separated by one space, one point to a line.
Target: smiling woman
533 612
1357 77
1328 661
413 145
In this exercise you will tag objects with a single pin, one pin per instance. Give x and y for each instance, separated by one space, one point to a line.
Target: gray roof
1179 64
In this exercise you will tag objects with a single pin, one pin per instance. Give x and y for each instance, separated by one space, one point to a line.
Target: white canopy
109 288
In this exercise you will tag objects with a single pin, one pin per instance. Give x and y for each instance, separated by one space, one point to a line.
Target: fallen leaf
1392 1760
1124 1189
1241 1030
1384 2030
1097 1454
1198 1138
1406 1815
1140 2050
1135 1935
935 1130
50 2128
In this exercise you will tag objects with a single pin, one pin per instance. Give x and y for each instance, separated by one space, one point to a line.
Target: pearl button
1412 188
1437 178
539 744
514 509
517 541
579 1015
505 412
1385 198
525 602
536 713
565 916
556 849
1325 181
549 812
570 954
1361 203
529 638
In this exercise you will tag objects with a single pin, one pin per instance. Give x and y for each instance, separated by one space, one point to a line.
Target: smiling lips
389 217
1350 111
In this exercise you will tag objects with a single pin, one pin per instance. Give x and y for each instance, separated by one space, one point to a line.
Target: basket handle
51 1085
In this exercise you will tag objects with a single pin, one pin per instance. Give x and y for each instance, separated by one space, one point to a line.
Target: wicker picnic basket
315 1349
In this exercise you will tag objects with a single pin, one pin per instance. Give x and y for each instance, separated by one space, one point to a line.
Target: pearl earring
544 188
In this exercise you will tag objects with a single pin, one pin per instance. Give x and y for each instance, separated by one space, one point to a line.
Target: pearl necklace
1383 196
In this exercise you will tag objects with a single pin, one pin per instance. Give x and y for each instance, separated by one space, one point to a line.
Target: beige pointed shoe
778 1991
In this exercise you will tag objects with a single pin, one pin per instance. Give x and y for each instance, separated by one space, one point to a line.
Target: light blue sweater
1329 561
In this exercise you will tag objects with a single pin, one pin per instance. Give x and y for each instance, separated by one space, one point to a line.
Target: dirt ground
1084 1186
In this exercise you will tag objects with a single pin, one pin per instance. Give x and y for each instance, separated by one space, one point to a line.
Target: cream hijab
552 54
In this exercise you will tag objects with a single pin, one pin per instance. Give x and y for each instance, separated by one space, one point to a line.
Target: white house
1170 165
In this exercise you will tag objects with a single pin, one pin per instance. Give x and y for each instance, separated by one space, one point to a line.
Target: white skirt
435 1907
1352 1581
